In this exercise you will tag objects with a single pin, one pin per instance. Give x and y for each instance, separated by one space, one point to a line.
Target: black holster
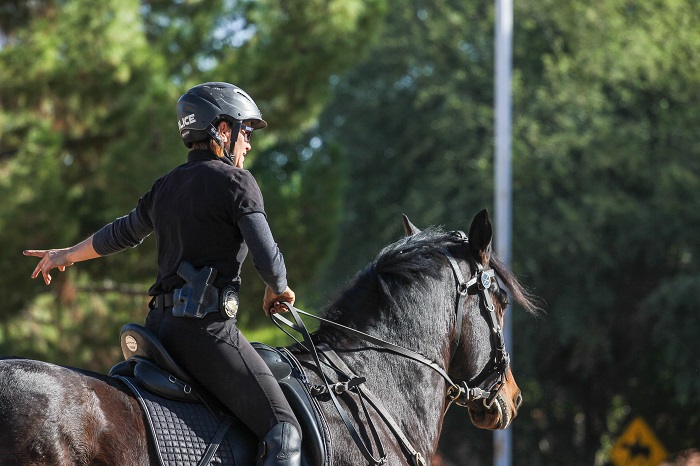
198 297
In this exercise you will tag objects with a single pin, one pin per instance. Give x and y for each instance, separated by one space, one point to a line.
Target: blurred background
378 108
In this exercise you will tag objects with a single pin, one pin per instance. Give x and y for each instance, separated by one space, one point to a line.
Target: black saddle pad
183 431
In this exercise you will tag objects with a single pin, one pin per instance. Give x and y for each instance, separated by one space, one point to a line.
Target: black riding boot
281 446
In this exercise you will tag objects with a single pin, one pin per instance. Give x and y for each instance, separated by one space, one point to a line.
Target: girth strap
215 442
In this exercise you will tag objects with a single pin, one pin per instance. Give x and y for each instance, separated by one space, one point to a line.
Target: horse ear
480 236
408 227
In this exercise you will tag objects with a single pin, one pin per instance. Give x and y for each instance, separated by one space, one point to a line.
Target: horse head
479 360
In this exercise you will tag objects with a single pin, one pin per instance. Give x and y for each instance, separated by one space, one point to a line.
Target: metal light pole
502 439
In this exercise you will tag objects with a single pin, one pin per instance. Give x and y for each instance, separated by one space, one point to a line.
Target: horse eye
502 297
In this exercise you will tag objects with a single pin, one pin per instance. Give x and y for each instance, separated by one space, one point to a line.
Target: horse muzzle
499 415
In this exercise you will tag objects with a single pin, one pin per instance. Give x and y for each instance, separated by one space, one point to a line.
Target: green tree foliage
87 124
414 121
609 148
78 89
605 217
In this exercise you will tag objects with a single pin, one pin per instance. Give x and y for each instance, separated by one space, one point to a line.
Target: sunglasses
247 132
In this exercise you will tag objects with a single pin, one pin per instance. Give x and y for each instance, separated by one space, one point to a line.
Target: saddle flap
162 383
124 368
290 376
273 358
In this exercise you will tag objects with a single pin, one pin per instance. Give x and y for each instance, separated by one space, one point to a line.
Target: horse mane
406 262
401 269
516 290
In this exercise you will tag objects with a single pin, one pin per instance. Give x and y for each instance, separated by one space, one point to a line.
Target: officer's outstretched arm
61 258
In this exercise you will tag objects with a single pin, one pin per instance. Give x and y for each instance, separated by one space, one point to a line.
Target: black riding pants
219 357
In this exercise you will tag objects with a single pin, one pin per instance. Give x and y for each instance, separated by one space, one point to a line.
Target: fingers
35 252
44 272
47 262
38 253
39 268
273 308
273 303
276 308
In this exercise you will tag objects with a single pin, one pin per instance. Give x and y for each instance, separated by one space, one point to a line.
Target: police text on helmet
186 120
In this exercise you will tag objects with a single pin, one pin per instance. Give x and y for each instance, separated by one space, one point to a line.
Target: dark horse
414 295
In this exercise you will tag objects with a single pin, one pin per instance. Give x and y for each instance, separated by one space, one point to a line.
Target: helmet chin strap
214 133
228 158
235 129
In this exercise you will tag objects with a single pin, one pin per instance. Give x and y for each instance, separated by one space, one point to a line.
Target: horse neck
422 318
423 323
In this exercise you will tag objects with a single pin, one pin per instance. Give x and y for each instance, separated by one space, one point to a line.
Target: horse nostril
518 400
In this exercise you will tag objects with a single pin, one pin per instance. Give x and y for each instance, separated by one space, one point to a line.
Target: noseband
488 383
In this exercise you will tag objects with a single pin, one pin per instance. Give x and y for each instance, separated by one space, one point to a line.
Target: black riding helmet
202 107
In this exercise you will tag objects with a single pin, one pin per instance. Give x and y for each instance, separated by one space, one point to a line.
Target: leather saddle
152 373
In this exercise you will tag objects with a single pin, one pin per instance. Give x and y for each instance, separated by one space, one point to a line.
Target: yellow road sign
638 446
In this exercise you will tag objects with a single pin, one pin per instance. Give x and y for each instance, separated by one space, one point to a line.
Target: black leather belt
226 302
162 301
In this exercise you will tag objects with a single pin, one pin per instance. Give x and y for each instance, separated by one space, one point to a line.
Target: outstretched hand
272 302
50 258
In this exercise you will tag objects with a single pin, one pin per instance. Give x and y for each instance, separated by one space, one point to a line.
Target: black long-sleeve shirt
205 212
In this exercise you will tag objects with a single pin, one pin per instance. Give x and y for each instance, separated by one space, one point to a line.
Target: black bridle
488 383
484 386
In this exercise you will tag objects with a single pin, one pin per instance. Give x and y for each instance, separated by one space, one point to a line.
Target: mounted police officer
207 214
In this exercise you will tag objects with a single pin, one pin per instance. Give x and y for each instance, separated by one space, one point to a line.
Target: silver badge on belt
229 302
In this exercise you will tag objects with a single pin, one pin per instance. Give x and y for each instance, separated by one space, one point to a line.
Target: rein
494 372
